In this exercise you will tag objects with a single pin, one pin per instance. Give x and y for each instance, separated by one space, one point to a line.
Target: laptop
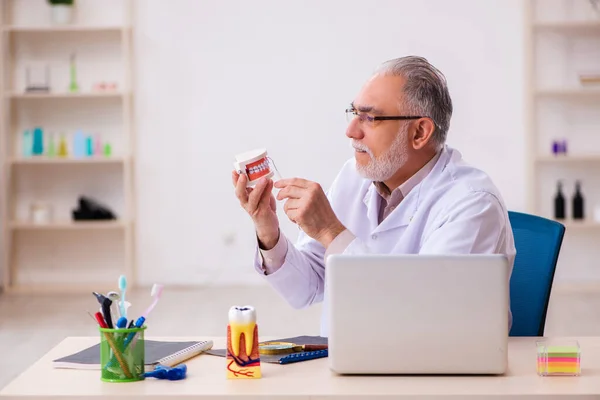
418 314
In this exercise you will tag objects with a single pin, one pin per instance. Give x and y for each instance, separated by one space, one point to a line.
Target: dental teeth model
255 165
243 359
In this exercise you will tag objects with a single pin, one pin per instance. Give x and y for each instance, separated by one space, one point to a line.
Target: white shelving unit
64 254
562 42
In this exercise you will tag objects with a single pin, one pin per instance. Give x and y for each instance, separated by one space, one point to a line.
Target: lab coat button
374 237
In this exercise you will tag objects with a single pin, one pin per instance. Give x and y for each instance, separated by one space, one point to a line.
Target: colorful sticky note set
558 359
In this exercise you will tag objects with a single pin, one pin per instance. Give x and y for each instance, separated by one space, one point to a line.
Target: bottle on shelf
97 146
559 202
79 149
73 85
62 147
51 146
578 202
38 141
27 143
559 147
107 150
89 141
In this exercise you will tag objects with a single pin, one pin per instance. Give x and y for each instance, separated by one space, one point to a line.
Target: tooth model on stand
243 359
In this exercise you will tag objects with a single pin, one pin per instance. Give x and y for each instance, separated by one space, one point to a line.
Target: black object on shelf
578 202
559 203
90 210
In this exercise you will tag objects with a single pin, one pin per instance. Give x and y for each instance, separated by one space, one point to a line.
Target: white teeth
242 320
259 168
263 166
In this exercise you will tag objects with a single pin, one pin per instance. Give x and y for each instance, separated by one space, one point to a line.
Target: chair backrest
538 241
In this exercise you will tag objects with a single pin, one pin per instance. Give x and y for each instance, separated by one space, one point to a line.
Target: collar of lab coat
402 215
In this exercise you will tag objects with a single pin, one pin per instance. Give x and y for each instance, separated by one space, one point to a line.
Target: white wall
215 78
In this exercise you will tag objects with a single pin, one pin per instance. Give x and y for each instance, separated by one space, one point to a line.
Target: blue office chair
538 241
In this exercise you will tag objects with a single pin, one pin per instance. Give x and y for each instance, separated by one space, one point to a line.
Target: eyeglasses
352 113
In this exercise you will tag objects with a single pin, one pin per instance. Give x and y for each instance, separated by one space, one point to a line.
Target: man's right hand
260 204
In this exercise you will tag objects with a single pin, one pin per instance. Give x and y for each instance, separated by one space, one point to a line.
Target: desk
305 380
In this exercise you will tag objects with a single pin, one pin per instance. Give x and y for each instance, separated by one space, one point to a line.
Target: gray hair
425 91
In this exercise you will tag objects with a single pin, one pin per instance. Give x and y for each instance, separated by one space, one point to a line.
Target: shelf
569 159
70 225
103 42
59 161
65 95
592 91
66 28
576 27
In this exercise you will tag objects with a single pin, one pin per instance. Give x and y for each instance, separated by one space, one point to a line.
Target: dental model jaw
242 320
254 164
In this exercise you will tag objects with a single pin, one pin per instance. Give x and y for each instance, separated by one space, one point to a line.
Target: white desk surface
305 380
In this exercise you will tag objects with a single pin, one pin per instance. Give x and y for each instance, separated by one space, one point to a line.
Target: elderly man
405 191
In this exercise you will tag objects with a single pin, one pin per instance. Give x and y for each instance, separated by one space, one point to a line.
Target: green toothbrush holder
122 354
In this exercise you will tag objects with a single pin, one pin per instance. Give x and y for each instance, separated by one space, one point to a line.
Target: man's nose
354 130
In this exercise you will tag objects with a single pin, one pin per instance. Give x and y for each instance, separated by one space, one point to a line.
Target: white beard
387 164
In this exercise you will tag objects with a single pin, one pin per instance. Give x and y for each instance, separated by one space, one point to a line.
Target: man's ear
424 129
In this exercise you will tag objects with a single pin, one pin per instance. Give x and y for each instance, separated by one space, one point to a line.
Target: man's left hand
308 206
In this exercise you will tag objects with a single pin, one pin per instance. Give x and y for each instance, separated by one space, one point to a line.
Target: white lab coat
456 209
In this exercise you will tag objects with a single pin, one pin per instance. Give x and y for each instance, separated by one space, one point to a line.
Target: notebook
287 358
168 354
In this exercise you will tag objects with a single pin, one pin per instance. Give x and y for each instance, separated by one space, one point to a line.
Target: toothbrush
156 293
123 288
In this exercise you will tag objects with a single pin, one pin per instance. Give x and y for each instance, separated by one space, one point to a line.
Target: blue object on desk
122 322
303 356
170 373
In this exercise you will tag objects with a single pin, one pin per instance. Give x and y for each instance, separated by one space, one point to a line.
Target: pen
100 320
138 324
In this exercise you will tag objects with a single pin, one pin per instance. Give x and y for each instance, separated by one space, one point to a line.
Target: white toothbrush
122 288
156 292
